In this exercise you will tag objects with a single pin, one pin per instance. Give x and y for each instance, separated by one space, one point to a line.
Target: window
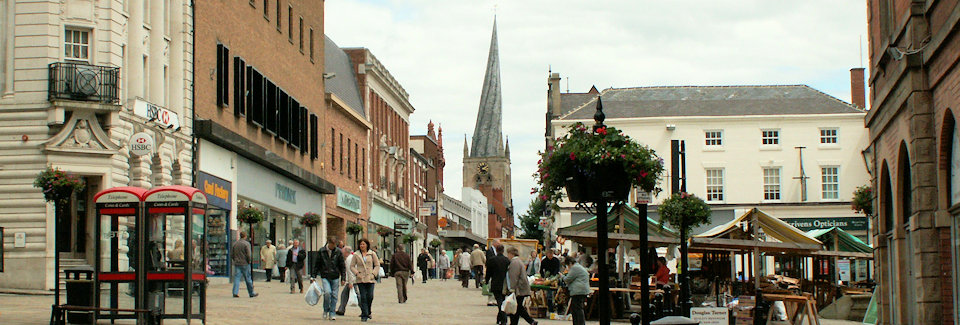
828 136
301 34
223 68
239 87
770 137
333 148
363 165
714 184
713 138
272 106
166 89
289 23
771 183
830 182
278 16
349 163
145 91
266 9
341 154
314 144
76 45
311 45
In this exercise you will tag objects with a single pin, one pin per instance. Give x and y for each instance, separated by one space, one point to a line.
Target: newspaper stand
175 252
116 282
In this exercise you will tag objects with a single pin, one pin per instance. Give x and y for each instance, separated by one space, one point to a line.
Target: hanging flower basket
684 211
594 164
863 200
384 231
310 219
409 238
354 229
250 215
435 243
57 185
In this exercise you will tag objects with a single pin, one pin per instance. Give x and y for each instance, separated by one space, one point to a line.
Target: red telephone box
118 212
175 251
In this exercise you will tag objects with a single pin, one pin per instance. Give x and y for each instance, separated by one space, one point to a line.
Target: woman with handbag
366 266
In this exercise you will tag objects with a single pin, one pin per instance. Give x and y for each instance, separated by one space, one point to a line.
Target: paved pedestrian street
436 302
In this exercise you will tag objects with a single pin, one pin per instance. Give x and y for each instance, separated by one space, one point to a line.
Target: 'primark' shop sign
348 200
847 223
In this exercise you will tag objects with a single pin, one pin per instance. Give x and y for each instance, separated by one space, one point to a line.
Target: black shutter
271 107
256 98
239 87
314 152
221 75
283 115
296 130
305 129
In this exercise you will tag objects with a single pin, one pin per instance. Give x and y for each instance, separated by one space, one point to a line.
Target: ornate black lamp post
601 206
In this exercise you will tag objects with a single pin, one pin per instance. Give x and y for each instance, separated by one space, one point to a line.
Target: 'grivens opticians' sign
348 200
847 224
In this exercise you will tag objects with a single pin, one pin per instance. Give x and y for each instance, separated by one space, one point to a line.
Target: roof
846 241
571 101
772 227
712 101
487 134
585 231
344 84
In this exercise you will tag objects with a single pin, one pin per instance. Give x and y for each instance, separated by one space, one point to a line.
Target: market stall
836 264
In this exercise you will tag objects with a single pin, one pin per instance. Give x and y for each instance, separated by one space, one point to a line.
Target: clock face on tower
483 168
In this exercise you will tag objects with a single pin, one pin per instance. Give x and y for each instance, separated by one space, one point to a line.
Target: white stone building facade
77 79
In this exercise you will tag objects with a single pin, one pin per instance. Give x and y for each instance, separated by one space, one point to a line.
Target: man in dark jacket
423 263
400 266
332 271
549 267
296 259
496 274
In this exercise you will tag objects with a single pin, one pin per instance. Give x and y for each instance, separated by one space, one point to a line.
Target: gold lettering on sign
215 190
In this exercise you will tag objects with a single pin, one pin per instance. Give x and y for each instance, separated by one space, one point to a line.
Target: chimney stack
857 90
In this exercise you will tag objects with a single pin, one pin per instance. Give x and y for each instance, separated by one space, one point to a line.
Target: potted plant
435 243
57 185
595 163
310 219
684 211
863 200
354 229
384 231
409 238
250 215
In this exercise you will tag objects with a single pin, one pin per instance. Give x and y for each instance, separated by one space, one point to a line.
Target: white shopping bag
354 300
312 297
509 306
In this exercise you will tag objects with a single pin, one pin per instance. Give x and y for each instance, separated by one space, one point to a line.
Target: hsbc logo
141 144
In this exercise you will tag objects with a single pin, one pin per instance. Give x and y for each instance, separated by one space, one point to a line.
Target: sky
437 50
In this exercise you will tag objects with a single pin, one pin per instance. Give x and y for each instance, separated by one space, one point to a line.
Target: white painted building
77 79
741 147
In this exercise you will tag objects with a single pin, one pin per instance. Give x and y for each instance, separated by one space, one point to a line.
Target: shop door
75 224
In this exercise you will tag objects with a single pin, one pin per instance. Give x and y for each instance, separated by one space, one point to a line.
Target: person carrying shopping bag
519 285
330 266
365 266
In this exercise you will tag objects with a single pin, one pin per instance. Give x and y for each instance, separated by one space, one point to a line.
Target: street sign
400 226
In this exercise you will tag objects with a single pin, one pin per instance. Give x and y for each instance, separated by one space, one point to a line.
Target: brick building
347 133
914 155
259 113
427 175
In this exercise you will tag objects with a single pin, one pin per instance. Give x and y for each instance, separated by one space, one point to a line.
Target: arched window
904 184
886 198
951 151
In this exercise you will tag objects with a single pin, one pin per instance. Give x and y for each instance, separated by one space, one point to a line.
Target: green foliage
530 221
310 219
435 243
384 231
354 229
250 215
409 238
683 210
57 185
584 151
863 200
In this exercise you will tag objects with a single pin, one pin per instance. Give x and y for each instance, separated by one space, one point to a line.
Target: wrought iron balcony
83 82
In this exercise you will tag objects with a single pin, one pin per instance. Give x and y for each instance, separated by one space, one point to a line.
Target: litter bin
80 294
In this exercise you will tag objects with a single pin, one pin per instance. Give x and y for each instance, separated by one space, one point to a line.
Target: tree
530 221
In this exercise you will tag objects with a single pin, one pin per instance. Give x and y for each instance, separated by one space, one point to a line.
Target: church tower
486 165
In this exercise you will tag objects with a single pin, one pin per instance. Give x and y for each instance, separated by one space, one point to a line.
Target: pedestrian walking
497 267
242 258
365 265
268 258
519 285
296 261
348 285
282 259
332 271
464 269
477 260
490 252
401 266
423 263
533 266
578 284
443 263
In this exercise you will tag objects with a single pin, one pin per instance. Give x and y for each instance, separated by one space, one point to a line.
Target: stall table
797 308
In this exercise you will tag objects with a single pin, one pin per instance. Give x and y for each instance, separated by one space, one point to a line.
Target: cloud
438 50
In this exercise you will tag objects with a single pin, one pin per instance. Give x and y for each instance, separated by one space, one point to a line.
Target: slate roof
344 84
571 101
712 101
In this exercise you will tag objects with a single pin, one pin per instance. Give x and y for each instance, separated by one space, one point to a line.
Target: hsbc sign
162 116
141 144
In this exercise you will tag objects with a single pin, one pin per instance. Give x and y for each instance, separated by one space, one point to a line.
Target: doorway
75 226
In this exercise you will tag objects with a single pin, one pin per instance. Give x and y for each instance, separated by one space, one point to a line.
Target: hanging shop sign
141 144
845 223
162 116
428 208
348 201
218 190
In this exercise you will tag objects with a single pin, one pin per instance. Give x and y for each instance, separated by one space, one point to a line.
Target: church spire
487 134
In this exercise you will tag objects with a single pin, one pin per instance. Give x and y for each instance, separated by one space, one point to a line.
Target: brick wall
346 144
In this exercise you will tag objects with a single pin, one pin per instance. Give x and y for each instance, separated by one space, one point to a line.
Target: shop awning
463 236
777 236
585 232
840 243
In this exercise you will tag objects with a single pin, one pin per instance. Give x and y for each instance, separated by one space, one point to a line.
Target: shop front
219 195
397 221
348 211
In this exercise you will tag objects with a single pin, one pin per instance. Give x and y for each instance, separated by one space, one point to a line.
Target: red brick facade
346 153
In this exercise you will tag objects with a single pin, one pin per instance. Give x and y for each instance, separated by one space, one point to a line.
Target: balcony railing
83 82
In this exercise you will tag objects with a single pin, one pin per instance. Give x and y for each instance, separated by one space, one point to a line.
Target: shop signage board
845 223
843 268
219 191
162 116
710 315
141 144
285 193
428 208
348 200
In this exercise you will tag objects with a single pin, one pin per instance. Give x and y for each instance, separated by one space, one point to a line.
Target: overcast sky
437 49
